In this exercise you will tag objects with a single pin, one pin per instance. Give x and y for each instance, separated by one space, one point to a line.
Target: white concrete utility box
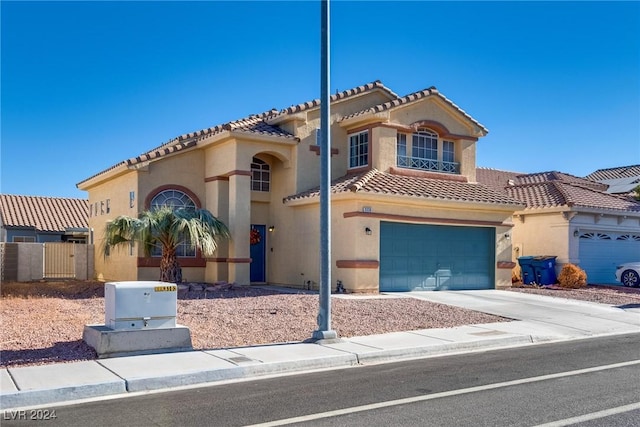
140 305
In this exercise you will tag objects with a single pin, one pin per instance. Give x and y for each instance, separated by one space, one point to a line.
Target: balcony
419 163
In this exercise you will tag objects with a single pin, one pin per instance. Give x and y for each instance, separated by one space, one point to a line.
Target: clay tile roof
500 180
43 213
560 193
495 178
554 189
254 123
340 95
615 173
412 97
377 182
559 176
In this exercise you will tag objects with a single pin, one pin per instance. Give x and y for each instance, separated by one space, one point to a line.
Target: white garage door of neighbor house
600 252
436 257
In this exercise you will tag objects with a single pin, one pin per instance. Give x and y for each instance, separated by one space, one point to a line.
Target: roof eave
578 209
365 119
408 200
112 172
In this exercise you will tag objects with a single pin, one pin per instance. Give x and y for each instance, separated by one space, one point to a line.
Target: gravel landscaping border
42 322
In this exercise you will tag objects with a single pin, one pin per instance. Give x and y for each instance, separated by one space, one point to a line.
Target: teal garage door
436 257
601 252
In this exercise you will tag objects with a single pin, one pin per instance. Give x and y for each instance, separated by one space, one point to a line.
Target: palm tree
166 228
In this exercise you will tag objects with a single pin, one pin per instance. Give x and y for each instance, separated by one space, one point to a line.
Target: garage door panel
601 251
436 257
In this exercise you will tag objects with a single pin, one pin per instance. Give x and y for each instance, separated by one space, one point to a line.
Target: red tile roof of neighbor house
377 182
259 123
560 193
615 173
554 189
44 213
494 178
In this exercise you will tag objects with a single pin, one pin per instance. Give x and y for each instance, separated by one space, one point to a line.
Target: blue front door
258 252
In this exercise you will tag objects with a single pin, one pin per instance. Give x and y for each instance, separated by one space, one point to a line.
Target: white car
629 274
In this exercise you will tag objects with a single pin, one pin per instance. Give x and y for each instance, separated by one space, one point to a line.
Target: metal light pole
324 314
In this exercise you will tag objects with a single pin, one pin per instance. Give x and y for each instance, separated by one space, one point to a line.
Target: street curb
123 386
58 395
239 372
400 354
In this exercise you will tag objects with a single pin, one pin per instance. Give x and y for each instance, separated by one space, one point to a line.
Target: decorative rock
182 290
196 287
219 286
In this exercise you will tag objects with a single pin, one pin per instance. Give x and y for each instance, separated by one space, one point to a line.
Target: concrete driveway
544 316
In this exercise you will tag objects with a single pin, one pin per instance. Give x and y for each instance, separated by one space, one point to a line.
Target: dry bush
573 277
516 274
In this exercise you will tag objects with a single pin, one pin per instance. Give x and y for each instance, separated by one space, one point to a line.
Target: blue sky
86 85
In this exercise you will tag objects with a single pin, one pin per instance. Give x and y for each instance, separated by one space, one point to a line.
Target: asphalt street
584 382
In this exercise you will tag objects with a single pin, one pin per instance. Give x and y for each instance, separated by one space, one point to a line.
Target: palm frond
167 228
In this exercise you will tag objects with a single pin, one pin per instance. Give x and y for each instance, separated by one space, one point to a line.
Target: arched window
260 175
174 199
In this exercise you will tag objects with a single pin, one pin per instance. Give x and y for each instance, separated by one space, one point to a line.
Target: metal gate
59 261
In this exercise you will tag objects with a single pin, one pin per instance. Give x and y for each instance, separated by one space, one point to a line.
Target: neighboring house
623 180
407 211
572 218
35 219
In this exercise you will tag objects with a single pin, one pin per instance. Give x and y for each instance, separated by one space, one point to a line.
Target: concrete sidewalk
537 319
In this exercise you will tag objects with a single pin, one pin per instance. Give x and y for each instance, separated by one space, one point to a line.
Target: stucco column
239 226
217 202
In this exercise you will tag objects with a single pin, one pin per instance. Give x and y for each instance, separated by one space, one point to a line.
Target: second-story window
359 149
260 175
447 152
401 150
425 145
426 151
401 144
448 158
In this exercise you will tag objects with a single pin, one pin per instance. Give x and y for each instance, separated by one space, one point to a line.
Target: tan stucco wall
350 242
119 265
185 170
432 109
384 150
229 197
308 162
465 153
541 234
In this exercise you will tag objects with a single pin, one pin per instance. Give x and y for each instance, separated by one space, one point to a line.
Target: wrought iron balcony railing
428 164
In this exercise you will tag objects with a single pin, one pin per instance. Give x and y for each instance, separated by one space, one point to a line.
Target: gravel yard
43 322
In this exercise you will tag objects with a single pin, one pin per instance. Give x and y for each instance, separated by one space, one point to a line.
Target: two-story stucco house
407 211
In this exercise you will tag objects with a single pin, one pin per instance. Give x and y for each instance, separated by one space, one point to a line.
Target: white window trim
357 134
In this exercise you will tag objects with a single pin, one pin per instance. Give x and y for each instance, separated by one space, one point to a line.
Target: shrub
571 276
516 275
